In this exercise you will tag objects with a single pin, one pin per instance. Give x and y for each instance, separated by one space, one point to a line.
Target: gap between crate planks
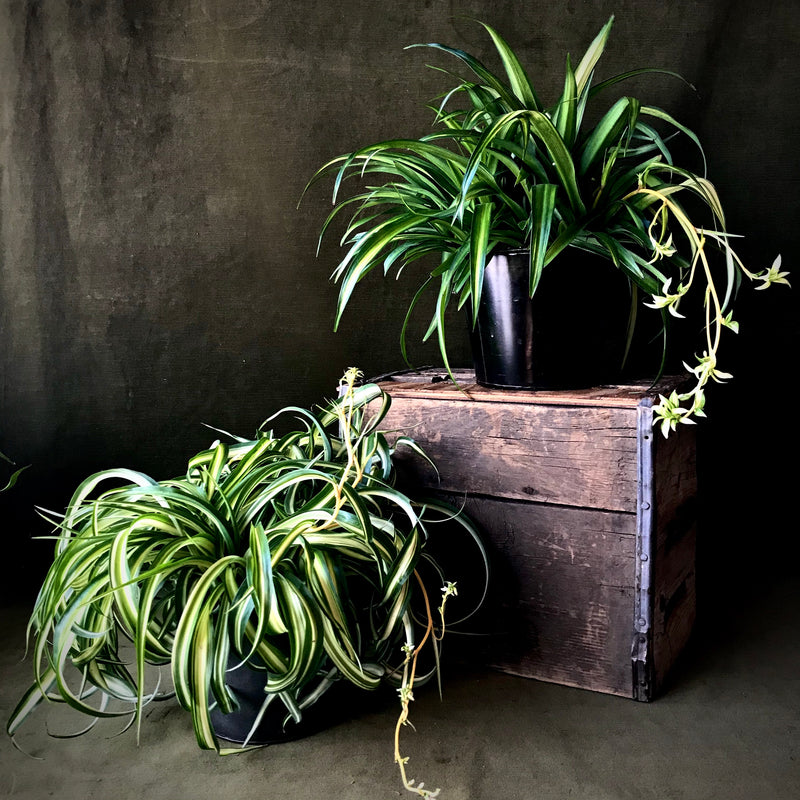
589 515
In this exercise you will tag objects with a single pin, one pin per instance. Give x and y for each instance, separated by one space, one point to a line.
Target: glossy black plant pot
570 335
277 725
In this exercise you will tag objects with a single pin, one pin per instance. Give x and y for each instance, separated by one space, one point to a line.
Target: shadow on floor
726 728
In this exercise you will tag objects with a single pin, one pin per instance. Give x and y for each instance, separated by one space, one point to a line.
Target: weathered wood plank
563 592
674 606
582 457
675 476
674 584
430 383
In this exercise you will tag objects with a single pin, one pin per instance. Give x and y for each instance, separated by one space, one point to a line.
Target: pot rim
512 251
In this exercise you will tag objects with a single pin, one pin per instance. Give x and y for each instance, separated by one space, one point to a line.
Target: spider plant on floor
294 556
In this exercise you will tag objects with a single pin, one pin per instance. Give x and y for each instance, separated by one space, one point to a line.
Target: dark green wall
155 273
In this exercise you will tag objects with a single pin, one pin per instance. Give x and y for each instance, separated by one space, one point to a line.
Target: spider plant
14 476
503 171
295 555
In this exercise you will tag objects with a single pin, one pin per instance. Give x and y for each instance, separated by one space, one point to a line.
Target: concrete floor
727 728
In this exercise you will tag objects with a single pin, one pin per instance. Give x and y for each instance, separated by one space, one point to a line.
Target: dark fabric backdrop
156 273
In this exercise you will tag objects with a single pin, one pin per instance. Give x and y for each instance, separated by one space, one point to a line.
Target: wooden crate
589 515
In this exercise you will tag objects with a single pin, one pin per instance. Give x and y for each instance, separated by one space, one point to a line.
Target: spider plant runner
14 476
295 557
504 172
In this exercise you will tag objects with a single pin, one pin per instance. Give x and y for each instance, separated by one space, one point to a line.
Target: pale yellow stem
408 685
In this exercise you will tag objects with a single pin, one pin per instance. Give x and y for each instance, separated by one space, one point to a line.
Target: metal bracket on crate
641 655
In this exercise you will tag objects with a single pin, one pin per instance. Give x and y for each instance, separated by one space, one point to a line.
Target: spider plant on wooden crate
506 171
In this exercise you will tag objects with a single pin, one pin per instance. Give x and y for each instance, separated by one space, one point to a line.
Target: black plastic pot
277 725
570 335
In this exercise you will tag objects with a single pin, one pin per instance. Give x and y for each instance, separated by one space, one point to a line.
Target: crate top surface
433 384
